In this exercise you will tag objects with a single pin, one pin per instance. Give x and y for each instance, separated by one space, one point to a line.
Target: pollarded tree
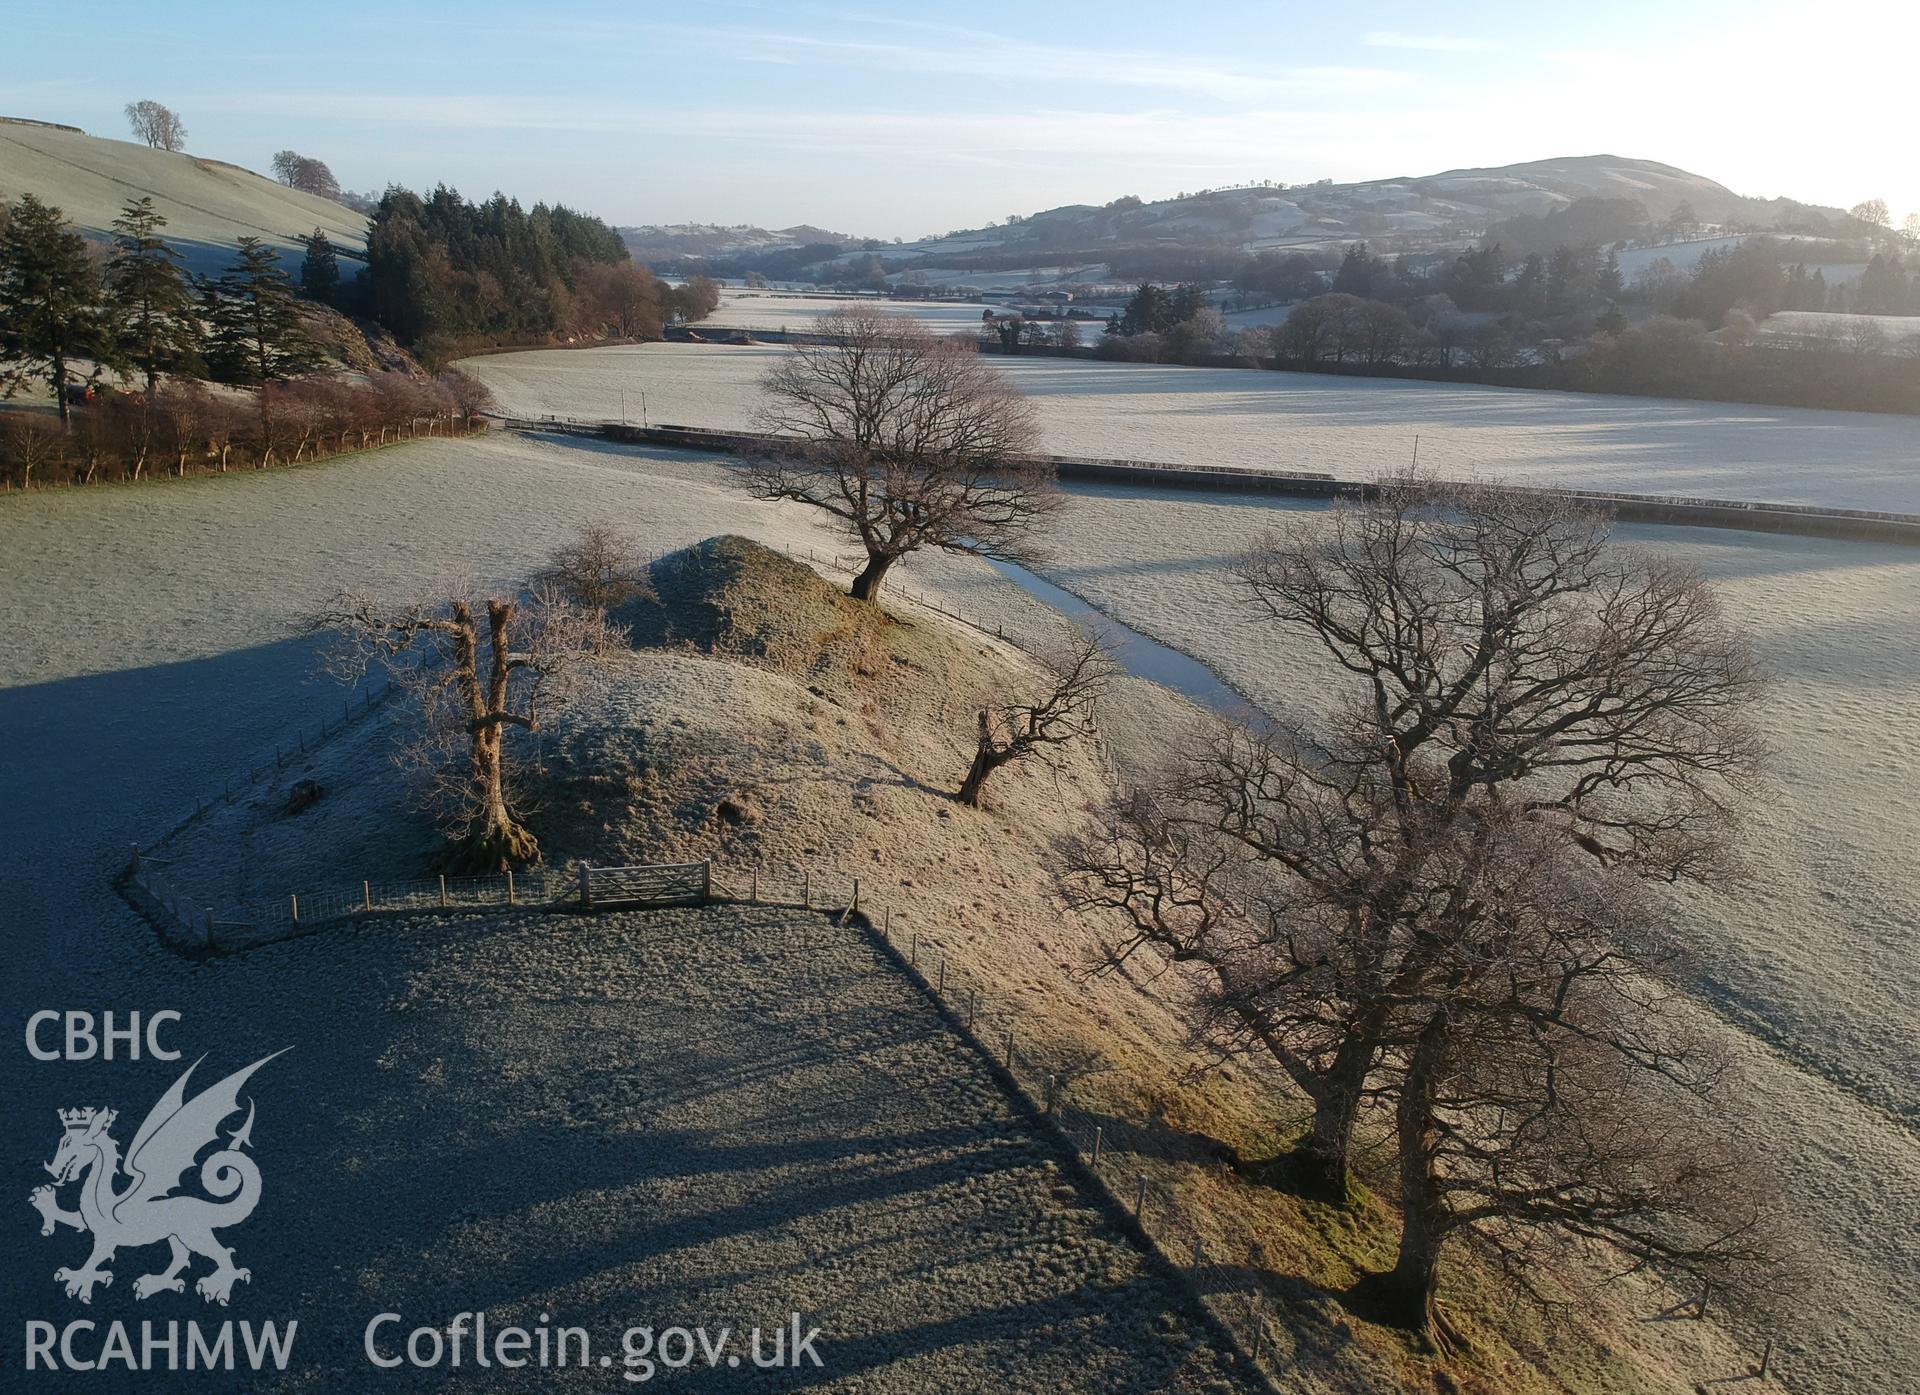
157 125
1504 659
152 304
50 303
1078 674
475 666
910 441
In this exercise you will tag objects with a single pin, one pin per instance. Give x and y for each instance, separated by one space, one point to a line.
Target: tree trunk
1407 1291
867 584
986 760
1328 1146
59 376
494 841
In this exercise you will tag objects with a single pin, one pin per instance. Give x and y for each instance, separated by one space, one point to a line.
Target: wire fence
1131 1163
247 924
1123 1157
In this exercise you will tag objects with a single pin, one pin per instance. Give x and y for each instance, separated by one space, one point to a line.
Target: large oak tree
1376 894
907 440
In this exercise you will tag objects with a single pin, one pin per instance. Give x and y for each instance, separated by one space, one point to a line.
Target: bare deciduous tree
1078 674
28 442
157 125
909 440
306 174
600 569
475 668
1368 894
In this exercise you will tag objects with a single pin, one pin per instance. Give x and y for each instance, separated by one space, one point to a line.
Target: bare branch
908 440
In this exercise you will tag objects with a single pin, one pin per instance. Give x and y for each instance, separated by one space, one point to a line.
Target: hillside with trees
1564 318
208 204
447 275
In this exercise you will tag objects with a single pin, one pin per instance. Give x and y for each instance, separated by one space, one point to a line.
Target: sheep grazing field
1351 427
152 645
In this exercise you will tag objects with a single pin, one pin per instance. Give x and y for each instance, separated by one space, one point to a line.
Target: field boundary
1746 515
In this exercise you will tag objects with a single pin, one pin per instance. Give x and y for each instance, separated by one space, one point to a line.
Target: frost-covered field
762 310
1814 965
151 645
673 1118
1354 428
208 204
1898 334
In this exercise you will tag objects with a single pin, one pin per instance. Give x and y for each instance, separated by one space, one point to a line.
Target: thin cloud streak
1429 43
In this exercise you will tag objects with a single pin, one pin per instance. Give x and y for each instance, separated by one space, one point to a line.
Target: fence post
366 896
134 865
1766 1359
227 785
294 901
509 886
1009 1051
942 989
1050 1085
1094 1166
856 897
914 957
706 880
1140 1202
443 888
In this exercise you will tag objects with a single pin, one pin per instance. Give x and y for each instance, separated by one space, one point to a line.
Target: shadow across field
645 1119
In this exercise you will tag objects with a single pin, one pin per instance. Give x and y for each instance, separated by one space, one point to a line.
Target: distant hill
209 204
666 243
1409 212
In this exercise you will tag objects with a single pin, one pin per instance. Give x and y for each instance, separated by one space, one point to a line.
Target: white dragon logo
146 1211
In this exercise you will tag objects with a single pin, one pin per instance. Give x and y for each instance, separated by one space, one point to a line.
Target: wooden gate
664 884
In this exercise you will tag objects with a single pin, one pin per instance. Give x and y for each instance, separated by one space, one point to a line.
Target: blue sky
908 119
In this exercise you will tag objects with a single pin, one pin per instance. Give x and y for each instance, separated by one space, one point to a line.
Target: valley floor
1349 427
156 644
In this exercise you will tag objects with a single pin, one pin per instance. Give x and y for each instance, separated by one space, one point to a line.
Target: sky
911 119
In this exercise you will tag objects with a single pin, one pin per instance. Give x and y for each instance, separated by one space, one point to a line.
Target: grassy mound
766 717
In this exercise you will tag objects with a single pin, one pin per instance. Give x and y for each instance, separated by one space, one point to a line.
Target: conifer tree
257 335
320 272
151 302
50 308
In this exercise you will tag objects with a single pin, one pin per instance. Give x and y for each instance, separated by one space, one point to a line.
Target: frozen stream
1142 657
